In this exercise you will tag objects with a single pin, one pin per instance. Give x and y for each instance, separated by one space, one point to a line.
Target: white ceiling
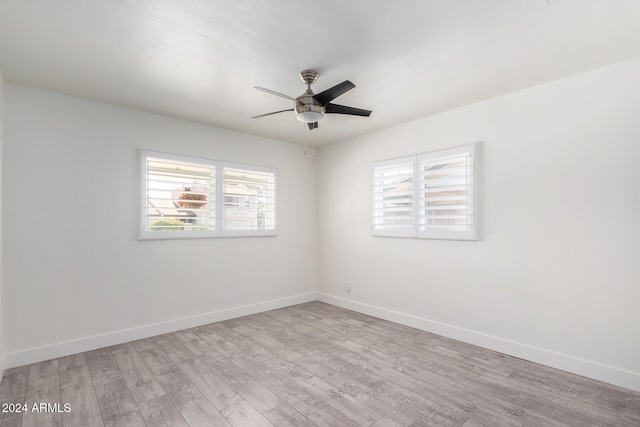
199 59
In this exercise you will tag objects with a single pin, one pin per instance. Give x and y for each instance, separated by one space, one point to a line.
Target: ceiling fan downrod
309 77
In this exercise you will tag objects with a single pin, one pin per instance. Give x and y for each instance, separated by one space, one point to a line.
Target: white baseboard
594 370
39 354
586 368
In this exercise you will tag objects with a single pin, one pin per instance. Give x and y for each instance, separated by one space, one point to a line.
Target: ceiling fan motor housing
307 108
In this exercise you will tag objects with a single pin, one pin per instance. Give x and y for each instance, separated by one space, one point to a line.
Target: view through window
185 197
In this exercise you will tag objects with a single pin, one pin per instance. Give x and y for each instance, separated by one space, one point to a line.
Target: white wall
555 276
76 276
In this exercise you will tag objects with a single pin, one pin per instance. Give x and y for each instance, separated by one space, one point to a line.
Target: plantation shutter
393 205
249 203
179 195
445 184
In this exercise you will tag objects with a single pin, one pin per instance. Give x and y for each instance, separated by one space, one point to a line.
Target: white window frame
418 196
216 194
221 212
396 231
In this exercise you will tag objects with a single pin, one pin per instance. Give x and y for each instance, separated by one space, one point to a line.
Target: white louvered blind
249 201
393 208
186 197
179 195
446 194
429 195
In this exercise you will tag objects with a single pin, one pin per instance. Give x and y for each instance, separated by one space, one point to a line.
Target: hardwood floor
308 365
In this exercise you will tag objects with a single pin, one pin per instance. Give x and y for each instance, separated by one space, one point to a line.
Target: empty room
341 213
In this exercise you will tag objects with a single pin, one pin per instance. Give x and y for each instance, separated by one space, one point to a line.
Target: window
429 195
393 197
186 197
249 200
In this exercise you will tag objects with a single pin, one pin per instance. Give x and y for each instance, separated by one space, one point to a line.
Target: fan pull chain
313 152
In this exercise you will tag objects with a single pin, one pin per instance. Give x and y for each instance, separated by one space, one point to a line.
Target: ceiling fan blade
313 125
273 92
269 114
332 93
341 109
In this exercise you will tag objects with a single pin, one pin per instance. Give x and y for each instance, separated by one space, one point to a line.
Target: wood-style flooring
308 365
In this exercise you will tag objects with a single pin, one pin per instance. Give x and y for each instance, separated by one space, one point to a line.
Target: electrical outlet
347 286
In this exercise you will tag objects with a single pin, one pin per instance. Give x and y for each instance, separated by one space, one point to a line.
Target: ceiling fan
310 107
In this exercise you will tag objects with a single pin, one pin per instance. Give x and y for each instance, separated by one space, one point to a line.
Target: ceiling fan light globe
309 116
307 109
